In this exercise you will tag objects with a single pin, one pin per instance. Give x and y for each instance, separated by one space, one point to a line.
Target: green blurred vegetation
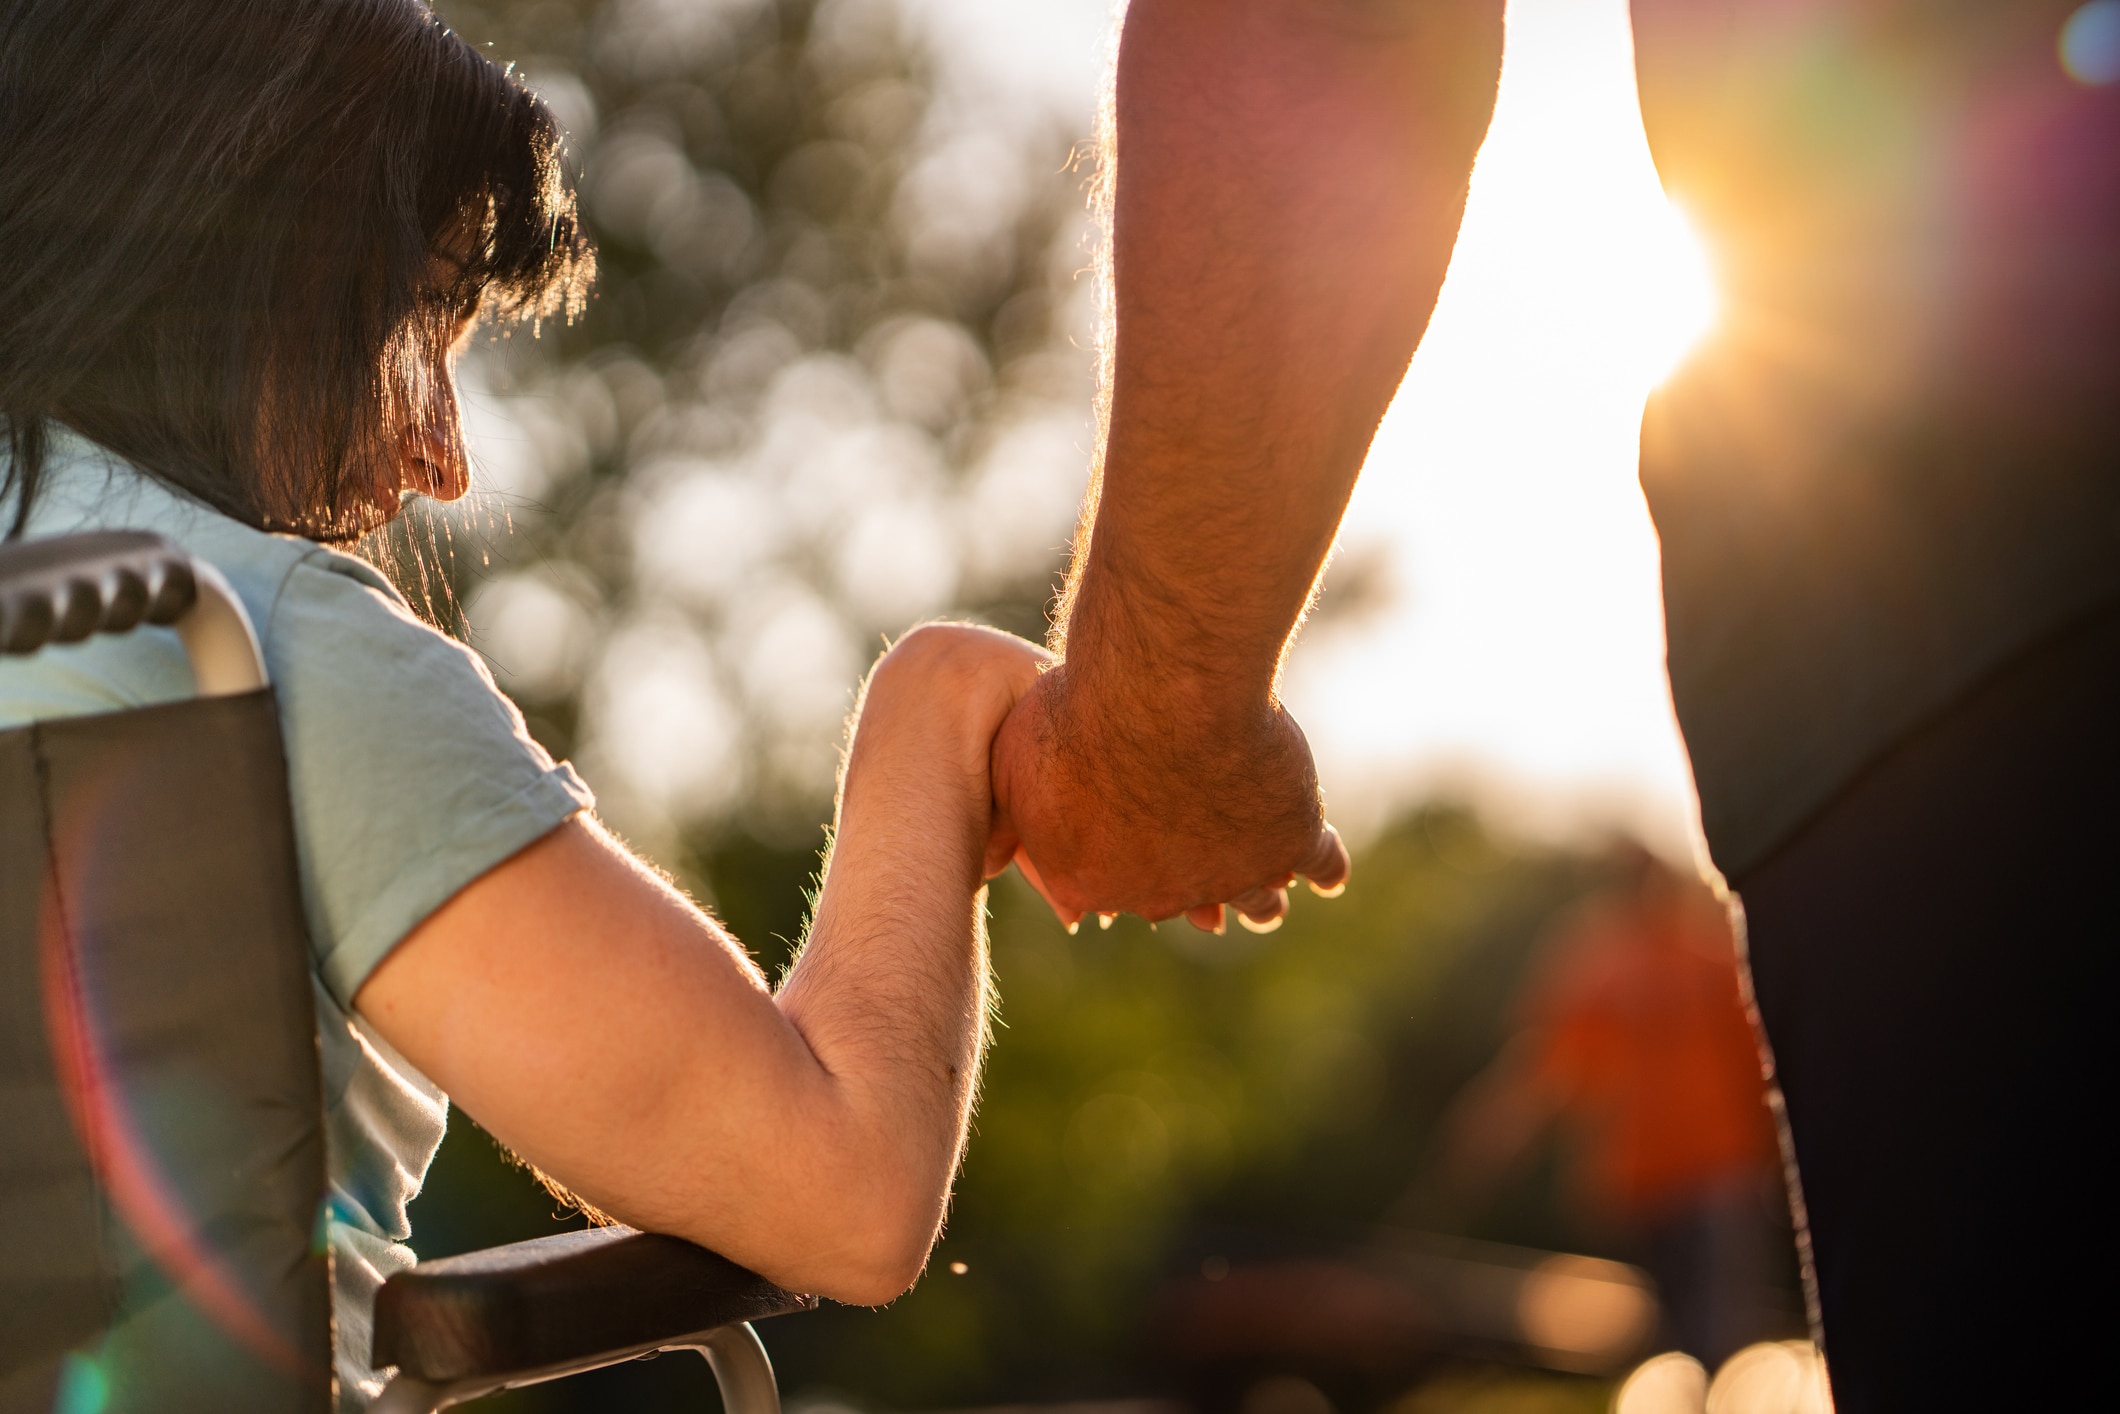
1155 1099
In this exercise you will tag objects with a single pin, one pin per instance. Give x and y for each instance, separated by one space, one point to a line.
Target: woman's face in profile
432 458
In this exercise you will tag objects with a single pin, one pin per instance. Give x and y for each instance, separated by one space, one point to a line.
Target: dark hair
236 236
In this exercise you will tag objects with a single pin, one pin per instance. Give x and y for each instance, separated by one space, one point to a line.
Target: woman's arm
597 1023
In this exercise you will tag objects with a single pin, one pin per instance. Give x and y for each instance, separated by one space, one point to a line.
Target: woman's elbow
847 1208
875 1282
854 1232
870 1256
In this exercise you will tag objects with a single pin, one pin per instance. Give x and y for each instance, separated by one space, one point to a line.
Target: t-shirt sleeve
410 774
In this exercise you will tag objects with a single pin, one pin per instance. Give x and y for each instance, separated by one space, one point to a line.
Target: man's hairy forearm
1287 179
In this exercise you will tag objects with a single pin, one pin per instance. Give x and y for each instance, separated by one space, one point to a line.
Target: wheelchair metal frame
735 1354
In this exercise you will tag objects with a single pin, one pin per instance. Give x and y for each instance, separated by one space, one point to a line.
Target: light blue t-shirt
410 776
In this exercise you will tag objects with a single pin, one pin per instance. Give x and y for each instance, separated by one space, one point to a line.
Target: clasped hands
1119 795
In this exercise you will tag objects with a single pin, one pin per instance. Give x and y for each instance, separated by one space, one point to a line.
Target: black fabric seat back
162 1172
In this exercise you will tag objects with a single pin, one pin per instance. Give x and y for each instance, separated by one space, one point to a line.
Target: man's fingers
1263 904
1328 867
1261 910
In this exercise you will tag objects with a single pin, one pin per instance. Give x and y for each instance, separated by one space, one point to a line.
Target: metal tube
735 1354
405 1395
218 638
742 1370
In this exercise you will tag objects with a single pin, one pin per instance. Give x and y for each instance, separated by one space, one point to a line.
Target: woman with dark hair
239 242
239 239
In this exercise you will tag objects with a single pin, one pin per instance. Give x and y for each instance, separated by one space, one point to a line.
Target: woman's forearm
891 996
891 990
601 1026
596 1023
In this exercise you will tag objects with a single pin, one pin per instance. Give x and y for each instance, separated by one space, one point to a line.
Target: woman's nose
438 466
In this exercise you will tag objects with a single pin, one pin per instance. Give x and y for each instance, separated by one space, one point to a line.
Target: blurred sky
1518 656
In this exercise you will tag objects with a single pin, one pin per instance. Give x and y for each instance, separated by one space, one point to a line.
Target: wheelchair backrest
161 1137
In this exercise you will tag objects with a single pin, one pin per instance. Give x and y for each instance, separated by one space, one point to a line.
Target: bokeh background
837 377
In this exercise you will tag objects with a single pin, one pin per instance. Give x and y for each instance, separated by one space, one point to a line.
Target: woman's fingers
1071 917
1002 847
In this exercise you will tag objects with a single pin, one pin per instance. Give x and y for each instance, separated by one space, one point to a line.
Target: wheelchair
161 1114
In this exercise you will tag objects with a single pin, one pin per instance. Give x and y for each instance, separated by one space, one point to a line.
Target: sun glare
1678 293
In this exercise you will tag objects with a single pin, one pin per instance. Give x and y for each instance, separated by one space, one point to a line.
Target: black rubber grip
569 1297
63 589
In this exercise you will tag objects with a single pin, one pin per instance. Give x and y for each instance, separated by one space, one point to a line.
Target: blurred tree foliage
837 376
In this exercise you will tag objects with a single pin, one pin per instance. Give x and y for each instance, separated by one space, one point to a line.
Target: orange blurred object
1640 1042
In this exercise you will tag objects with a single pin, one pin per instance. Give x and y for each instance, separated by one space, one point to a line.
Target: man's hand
1147 807
1286 178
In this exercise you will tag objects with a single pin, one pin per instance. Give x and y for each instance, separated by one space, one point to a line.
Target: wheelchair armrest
560 1301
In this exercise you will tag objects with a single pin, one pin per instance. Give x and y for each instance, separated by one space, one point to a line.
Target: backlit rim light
1682 303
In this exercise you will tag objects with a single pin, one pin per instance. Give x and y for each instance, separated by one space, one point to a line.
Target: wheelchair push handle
65 589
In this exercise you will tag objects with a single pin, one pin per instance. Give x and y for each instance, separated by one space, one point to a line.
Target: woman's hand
929 712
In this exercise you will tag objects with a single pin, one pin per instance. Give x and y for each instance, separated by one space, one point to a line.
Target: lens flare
123 1159
2090 43
83 1387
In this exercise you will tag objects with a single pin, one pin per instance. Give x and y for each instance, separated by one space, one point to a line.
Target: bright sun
1678 301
